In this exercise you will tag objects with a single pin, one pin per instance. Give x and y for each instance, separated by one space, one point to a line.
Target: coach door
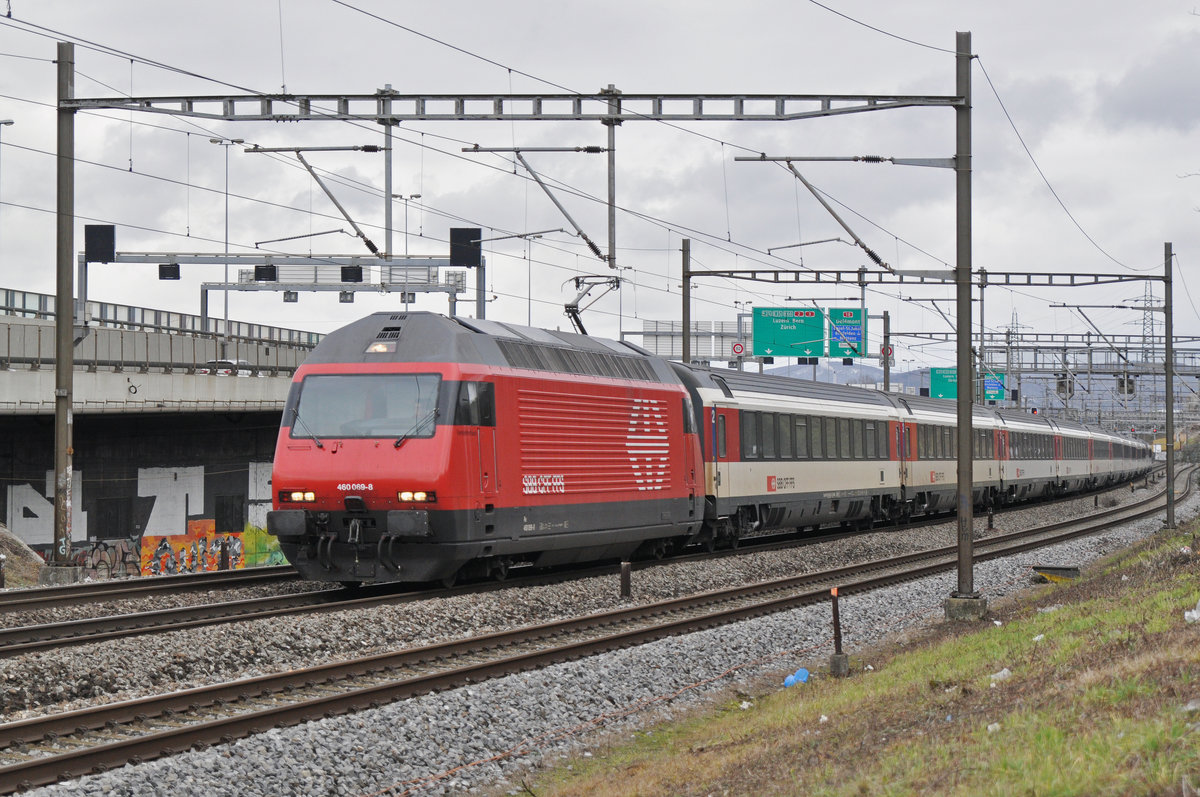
903 435
692 457
1002 453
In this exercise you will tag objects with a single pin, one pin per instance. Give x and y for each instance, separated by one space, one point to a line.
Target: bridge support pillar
52 575
966 607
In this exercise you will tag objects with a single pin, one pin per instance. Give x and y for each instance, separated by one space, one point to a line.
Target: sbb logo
541 483
770 484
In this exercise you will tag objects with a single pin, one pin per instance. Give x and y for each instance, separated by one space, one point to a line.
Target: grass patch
1094 705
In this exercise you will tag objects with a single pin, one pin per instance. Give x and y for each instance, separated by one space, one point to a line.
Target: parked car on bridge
228 368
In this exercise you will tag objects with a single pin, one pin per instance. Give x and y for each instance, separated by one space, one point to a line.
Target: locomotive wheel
500 569
452 579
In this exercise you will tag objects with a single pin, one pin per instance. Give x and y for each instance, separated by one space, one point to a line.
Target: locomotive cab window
476 404
364 405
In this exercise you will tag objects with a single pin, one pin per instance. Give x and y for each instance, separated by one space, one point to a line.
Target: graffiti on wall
108 558
165 529
31 512
200 550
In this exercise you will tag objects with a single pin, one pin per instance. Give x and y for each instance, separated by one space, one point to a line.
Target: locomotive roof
430 337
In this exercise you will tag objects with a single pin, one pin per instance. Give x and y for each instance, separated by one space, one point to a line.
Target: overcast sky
1104 95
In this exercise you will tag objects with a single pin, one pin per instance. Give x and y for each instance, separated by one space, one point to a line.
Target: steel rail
433 667
14 600
18 640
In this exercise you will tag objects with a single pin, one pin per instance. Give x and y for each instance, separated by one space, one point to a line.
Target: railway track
42 750
19 640
16 600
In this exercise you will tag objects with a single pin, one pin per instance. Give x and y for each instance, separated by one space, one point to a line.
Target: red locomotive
413 444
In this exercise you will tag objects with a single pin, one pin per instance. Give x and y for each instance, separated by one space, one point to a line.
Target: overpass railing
27 304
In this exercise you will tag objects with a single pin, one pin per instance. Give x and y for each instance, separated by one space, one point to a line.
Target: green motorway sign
789 332
943 382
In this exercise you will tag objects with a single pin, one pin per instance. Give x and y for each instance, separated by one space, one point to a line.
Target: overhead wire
584 195
40 30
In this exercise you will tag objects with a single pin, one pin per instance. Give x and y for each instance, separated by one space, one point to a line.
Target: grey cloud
1161 92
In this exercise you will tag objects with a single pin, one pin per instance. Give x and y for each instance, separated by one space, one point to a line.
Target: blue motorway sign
847 332
993 386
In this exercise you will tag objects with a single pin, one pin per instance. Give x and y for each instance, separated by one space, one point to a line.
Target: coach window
831 446
869 438
818 440
881 449
785 437
801 437
750 445
721 448
768 435
856 438
843 428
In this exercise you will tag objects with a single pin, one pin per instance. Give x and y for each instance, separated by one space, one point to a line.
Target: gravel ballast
514 722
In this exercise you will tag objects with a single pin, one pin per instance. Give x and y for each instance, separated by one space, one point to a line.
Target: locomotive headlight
298 496
420 496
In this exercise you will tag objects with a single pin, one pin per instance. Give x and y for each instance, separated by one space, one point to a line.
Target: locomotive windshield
366 405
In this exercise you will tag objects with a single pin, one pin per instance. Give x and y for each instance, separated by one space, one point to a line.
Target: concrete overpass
160 365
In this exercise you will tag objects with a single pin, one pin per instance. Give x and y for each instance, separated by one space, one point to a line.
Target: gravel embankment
536 713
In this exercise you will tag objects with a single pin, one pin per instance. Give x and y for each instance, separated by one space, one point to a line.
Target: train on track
417 447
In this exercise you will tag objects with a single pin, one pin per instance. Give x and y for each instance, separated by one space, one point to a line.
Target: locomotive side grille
521 354
627 442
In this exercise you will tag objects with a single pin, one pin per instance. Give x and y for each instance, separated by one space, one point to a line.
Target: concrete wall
25 391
